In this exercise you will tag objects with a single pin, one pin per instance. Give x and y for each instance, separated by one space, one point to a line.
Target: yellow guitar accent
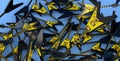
56 44
35 6
51 6
50 23
15 50
88 8
7 36
94 22
41 10
2 47
75 39
66 43
53 39
39 52
100 30
86 38
118 51
117 48
97 47
30 26
73 8
30 54
83 17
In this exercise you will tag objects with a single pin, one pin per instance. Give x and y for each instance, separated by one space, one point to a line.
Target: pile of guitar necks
54 40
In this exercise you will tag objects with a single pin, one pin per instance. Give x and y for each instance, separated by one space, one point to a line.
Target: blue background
9 17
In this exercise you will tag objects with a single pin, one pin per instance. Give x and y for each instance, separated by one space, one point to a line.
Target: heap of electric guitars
44 37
